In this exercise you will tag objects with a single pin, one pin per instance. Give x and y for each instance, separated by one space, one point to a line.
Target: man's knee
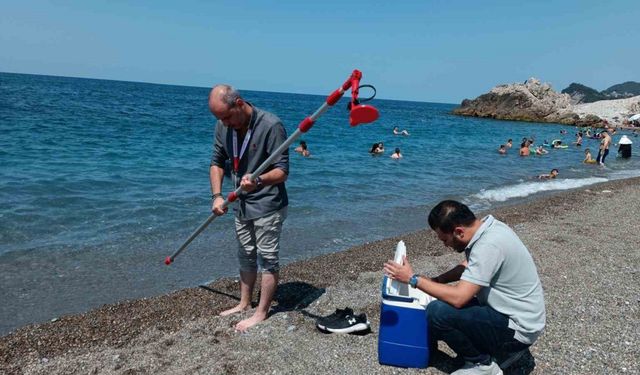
438 312
248 260
270 264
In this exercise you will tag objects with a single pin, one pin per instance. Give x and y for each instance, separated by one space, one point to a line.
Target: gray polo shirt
500 263
266 135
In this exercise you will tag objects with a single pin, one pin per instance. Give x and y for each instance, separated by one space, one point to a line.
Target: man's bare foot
243 325
234 310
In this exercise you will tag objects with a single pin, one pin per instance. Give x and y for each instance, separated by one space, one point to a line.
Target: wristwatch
259 183
413 281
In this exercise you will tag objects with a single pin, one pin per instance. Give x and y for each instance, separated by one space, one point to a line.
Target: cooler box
403 338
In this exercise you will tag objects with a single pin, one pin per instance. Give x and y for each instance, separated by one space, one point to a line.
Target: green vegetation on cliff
624 90
583 94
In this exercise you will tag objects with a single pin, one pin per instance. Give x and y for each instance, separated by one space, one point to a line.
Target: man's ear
459 232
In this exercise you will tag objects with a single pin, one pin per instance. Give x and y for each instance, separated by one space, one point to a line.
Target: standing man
497 307
604 145
247 136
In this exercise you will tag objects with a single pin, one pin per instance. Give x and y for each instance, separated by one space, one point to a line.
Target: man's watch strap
413 281
216 195
259 182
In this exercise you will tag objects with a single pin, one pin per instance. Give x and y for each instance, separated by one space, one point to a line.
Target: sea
101 180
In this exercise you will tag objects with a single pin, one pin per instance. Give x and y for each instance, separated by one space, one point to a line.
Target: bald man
247 136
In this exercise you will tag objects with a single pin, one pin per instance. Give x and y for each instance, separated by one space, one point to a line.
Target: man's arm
456 295
216 175
451 275
273 177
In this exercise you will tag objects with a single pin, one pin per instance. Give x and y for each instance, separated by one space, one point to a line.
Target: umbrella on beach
635 117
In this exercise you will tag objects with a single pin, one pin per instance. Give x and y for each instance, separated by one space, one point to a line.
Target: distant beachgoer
541 151
604 145
578 141
524 149
396 154
396 131
377 148
303 146
553 174
509 143
624 147
556 143
587 157
563 132
302 149
502 150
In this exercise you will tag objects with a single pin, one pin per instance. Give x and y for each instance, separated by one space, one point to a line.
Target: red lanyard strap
236 157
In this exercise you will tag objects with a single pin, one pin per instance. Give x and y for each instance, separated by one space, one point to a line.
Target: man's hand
247 184
401 272
216 206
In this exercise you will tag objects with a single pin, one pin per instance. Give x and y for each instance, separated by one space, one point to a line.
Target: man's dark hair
450 214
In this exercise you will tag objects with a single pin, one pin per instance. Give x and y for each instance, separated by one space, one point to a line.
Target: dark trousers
474 332
602 155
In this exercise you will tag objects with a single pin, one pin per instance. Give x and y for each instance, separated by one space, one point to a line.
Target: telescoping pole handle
352 82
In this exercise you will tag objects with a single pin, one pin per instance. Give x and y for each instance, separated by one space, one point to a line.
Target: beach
614 111
584 242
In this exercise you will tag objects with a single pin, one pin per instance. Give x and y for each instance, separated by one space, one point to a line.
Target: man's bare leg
247 281
267 292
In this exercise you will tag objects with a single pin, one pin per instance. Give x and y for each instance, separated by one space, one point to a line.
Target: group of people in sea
527 147
378 147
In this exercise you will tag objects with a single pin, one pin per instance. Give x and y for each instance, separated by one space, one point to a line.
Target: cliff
528 101
538 102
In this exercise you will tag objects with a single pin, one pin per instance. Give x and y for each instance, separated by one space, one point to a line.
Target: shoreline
308 288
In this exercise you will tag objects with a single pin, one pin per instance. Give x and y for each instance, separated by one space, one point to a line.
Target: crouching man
496 310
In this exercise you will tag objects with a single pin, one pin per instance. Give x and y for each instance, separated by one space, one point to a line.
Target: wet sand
585 243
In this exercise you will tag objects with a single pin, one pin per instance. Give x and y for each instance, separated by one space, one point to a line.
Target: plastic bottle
397 288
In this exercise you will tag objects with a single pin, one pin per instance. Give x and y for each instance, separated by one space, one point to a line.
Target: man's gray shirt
500 263
267 133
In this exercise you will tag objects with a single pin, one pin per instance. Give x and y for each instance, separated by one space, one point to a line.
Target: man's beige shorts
260 237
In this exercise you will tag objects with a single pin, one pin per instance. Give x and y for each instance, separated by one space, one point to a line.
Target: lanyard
236 157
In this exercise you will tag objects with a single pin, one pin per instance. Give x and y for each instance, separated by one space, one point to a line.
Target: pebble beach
585 244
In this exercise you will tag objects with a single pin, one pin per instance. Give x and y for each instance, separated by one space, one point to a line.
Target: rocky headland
538 102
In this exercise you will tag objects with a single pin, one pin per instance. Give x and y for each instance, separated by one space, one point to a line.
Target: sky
431 51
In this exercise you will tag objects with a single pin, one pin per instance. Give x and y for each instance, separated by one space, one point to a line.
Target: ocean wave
525 189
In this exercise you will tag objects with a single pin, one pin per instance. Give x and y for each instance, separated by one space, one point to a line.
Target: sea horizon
338 83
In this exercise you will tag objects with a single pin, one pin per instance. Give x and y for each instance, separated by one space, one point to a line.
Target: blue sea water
101 180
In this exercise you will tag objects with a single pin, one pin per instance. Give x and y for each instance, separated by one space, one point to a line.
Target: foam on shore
525 189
